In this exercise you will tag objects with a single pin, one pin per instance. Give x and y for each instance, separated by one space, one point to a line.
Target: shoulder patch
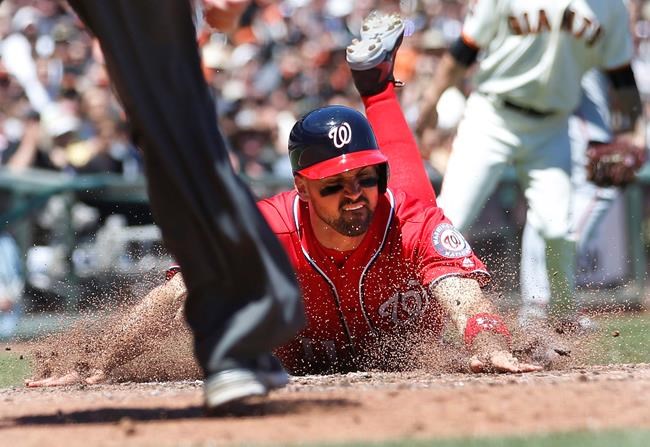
449 243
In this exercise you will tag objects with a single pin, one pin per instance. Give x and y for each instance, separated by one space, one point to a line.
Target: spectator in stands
17 55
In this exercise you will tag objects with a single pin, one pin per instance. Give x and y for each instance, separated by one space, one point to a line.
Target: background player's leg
590 122
545 176
396 141
243 299
535 292
589 205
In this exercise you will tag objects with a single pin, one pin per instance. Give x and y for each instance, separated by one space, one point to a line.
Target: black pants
243 297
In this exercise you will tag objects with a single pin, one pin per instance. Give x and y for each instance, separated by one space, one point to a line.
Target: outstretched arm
151 319
475 318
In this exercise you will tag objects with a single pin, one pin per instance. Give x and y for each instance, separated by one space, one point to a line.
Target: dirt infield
359 406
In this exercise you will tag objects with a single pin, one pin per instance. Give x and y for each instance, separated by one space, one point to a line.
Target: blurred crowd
287 57
57 110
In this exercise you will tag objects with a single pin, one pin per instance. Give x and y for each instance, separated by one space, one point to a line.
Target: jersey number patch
448 241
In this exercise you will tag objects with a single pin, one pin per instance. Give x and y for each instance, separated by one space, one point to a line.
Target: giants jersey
354 300
536 51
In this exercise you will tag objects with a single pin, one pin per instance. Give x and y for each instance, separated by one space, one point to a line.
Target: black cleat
372 58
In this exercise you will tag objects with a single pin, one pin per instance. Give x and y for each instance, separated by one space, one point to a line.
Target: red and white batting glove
482 323
493 358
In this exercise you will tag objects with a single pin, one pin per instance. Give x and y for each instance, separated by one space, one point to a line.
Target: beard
350 223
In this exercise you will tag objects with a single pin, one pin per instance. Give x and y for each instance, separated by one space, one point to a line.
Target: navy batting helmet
334 139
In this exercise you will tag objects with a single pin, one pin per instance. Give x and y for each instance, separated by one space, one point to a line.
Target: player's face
346 202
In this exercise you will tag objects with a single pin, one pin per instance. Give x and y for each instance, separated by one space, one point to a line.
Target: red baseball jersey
356 300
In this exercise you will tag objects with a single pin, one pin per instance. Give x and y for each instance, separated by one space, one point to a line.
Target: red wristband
484 322
171 272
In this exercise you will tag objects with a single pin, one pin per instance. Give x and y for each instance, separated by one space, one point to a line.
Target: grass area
636 438
624 338
13 369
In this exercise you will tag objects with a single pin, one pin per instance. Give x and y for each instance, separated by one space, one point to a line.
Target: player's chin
353 223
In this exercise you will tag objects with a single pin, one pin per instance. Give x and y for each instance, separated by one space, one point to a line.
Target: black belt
526 110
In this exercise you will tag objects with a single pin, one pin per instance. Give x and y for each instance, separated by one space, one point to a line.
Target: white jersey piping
312 262
391 199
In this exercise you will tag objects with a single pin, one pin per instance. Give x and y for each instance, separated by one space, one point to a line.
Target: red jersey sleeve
277 212
438 249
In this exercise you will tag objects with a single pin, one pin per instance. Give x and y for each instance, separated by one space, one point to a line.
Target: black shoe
372 58
243 381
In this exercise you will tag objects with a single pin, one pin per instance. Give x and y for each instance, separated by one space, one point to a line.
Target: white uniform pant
589 205
490 138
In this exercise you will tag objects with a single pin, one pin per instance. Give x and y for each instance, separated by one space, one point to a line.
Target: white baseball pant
492 136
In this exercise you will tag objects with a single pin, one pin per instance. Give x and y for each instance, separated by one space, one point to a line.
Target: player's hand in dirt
500 361
71 378
491 353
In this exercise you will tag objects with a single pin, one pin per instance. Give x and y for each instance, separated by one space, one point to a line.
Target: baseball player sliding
533 56
371 260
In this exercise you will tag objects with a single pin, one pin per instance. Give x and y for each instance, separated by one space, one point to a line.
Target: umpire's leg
243 299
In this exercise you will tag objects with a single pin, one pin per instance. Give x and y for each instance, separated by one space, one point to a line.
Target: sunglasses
335 188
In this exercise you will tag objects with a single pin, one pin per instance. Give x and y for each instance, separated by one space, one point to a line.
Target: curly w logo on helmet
341 135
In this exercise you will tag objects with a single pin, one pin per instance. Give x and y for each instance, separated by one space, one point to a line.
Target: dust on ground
83 348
